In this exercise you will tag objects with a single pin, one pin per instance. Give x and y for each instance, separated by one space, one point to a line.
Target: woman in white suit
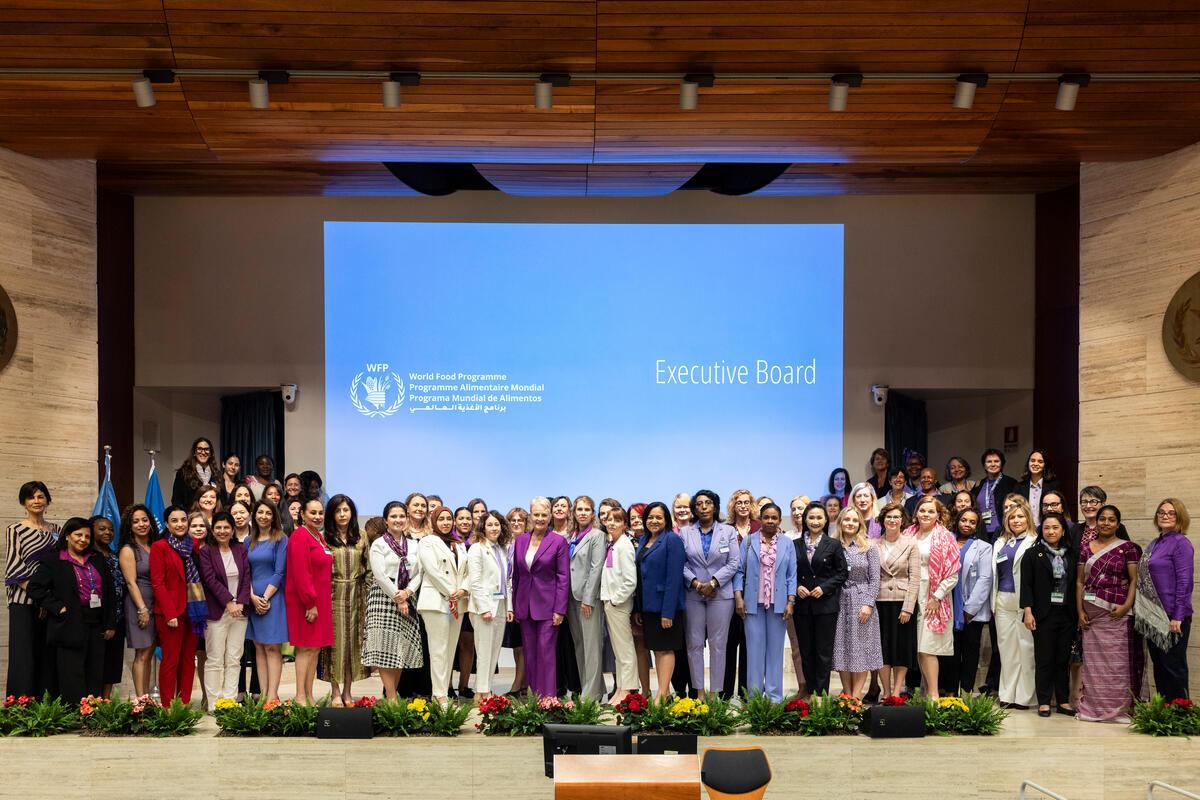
393 637
1013 639
488 580
618 582
443 588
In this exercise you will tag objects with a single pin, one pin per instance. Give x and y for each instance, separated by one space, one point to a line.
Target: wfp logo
382 389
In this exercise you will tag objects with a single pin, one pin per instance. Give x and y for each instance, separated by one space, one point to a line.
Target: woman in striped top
30 663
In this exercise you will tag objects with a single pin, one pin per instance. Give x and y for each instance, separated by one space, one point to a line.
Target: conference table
627 777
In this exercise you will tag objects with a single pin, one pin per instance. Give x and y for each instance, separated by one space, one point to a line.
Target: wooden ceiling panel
884 121
810 35
379 34
1111 36
241 179
96 118
637 180
835 179
79 33
339 120
1111 122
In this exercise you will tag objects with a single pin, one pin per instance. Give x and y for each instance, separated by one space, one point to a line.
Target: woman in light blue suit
764 595
972 604
712 562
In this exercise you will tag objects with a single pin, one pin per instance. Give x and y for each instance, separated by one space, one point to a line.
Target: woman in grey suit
585 612
712 558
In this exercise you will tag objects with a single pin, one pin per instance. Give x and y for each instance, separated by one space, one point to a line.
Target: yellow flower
683 705
953 702
701 709
225 703
417 705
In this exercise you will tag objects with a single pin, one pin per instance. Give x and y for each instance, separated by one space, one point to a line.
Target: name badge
723 548
987 517
1057 598
1089 596
497 593
328 552
1000 559
94 601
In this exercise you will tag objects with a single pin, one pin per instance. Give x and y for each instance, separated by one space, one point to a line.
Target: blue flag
154 496
106 503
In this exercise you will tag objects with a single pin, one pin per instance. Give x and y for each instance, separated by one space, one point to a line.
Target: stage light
839 89
689 89
1068 89
964 90
392 87
260 93
391 94
143 93
543 90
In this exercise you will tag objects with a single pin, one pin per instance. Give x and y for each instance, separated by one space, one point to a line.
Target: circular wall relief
1181 329
8 329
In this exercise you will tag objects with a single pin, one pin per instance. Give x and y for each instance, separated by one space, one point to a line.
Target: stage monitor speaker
894 722
344 723
665 744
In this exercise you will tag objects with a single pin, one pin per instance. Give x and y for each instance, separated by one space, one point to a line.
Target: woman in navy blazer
541 581
659 597
821 571
225 573
713 556
766 618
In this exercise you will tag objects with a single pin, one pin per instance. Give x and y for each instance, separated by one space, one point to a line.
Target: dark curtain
905 426
252 425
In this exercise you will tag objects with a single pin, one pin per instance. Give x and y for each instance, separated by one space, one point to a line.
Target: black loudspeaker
344 723
666 744
894 722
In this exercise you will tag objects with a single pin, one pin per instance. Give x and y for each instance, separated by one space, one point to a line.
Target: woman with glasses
1164 598
197 470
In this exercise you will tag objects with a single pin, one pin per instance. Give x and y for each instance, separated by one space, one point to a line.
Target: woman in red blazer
173 573
308 594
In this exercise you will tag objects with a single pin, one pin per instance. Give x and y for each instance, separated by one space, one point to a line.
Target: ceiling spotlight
689 89
260 93
543 90
839 89
964 90
143 93
391 87
1068 89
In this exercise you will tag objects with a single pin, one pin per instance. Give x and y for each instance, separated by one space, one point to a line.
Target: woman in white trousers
1013 639
618 581
488 580
440 602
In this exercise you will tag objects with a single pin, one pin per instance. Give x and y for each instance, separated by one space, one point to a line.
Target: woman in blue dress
268 622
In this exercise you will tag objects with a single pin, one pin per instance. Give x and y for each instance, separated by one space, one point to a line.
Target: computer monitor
666 744
584 740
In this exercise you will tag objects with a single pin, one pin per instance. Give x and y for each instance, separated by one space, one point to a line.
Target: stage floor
1082 761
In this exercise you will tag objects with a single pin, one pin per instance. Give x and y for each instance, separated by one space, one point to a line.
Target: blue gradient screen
510 360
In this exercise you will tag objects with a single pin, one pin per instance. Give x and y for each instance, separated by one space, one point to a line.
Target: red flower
494 705
892 700
634 703
797 705
366 701
1183 703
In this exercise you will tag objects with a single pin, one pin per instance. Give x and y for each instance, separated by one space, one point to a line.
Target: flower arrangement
765 717
714 717
142 715
1160 717
366 701
417 717
965 715
893 700
525 715
23 715
270 718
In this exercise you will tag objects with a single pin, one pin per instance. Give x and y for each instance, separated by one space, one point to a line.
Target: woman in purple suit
713 555
541 580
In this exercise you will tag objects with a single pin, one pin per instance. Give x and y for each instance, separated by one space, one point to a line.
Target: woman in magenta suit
308 595
541 580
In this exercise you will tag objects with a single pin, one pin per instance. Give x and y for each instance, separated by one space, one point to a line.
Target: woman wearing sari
1106 586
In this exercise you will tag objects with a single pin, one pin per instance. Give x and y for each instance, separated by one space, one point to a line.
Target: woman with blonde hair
856 647
488 594
744 517
938 556
866 502
518 523
417 506
1164 598
1013 640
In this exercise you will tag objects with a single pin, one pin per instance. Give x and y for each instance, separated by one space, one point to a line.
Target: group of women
890 582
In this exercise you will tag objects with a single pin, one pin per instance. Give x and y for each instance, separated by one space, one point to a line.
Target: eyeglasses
203 449
1090 502
1168 513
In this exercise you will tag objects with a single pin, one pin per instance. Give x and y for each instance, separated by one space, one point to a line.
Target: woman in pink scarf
939 575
